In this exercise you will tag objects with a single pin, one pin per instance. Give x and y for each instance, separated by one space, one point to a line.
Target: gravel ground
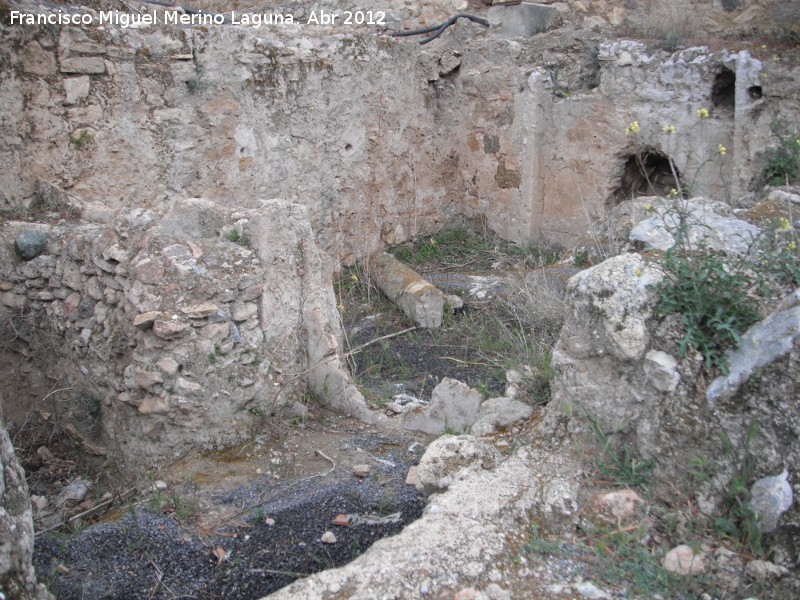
146 555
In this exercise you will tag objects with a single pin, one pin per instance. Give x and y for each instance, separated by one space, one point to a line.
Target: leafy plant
783 160
709 292
237 238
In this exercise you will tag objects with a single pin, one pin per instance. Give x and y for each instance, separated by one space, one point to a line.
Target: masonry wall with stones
155 333
381 139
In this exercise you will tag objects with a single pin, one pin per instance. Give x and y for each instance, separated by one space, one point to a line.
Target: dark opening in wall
755 92
723 92
645 174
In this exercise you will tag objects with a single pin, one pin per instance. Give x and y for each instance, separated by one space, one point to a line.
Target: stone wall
381 139
167 331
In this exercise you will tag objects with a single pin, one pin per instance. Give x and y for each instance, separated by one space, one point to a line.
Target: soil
244 523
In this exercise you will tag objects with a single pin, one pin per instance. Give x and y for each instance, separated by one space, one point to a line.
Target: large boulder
452 457
620 381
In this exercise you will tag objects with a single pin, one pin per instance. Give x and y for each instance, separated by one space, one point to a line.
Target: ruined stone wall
167 331
381 139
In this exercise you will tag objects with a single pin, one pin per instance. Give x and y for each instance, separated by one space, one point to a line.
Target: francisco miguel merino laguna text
174 17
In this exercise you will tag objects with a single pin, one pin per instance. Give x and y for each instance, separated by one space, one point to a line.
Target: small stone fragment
200 311
341 521
770 497
618 506
169 329
269 522
411 478
683 561
762 569
328 538
361 470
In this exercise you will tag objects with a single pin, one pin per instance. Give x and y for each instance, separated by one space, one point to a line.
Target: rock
762 344
361 470
587 589
241 311
466 536
73 493
153 405
168 365
781 196
30 243
341 521
187 387
770 497
76 89
522 20
495 592
764 570
417 298
403 402
707 222
17 577
455 303
468 594
499 412
451 457
251 293
328 538
617 507
169 330
37 61
146 320
200 311
411 477
683 561
609 306
454 406
147 379
89 65
661 370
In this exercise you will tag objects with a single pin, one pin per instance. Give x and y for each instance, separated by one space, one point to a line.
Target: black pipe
439 29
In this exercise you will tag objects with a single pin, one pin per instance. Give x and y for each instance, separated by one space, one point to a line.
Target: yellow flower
776 58
354 278
672 193
721 150
762 75
784 224
798 142
791 245
702 113
637 271
648 208
668 129
341 308
763 46
632 128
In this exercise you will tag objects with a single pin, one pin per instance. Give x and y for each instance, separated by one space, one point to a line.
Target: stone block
522 20
76 89
37 61
454 406
86 65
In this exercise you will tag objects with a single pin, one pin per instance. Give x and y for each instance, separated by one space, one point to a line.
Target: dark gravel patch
144 555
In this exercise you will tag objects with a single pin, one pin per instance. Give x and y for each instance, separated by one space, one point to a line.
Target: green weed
783 160
709 292
621 467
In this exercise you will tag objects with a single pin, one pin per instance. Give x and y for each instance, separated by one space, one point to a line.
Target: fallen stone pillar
417 298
